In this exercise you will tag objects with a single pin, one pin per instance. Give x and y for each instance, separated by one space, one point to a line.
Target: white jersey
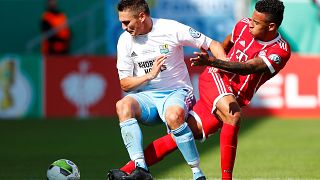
135 55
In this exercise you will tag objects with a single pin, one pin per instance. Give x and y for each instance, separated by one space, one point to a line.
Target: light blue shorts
153 104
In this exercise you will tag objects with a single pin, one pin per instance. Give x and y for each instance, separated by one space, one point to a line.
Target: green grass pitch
268 148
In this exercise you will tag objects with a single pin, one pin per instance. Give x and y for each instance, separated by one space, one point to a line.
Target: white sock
141 163
195 170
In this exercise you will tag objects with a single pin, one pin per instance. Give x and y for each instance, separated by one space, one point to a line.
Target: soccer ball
63 169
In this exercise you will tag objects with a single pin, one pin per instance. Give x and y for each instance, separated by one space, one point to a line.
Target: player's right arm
220 50
217 49
130 79
130 83
227 44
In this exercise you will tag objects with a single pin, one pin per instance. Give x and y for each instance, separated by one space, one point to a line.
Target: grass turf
268 149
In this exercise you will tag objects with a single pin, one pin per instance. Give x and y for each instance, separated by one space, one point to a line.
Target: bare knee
174 117
233 119
127 108
229 111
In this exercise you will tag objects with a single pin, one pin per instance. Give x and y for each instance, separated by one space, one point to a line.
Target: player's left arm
252 66
271 62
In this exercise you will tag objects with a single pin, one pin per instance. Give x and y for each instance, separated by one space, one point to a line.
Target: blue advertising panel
213 18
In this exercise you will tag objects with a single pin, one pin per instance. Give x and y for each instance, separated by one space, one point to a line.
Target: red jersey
215 83
274 53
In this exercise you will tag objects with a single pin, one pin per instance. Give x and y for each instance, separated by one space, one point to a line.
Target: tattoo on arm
252 66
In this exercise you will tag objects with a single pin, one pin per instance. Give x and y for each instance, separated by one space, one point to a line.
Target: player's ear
142 16
272 26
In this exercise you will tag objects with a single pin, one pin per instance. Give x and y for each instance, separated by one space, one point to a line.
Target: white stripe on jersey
265 59
243 85
248 46
255 89
264 47
282 44
238 39
219 83
234 75
232 34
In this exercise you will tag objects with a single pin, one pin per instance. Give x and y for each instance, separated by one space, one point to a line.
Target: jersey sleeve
276 58
124 64
188 36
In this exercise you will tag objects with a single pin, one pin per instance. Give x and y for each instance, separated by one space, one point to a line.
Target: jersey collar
270 42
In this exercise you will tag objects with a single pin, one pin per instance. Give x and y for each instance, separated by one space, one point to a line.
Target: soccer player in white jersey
256 53
151 67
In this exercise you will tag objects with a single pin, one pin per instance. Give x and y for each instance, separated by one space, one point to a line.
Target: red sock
129 167
228 149
155 152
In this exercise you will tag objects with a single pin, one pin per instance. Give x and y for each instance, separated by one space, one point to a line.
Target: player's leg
184 138
154 152
202 124
129 109
175 111
210 90
217 96
204 118
229 111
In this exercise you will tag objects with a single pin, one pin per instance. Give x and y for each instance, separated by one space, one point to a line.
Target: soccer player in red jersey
256 53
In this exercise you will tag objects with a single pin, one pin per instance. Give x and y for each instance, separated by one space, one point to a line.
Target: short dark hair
274 9
134 5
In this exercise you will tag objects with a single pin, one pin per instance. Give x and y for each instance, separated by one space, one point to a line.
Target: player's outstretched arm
252 66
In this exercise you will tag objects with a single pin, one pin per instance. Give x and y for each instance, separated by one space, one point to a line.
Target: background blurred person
55 30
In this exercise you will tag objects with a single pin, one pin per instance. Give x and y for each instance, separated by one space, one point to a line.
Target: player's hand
156 68
201 58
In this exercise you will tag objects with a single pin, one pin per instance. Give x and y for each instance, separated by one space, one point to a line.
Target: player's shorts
153 104
210 124
212 87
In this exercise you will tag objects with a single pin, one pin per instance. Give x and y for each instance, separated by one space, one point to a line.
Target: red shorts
212 87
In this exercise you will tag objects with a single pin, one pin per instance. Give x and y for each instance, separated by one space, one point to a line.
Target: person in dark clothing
55 30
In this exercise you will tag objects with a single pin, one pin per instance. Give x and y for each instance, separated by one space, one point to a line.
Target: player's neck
271 36
148 25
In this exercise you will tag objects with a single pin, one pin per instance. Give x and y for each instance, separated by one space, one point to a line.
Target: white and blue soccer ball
63 169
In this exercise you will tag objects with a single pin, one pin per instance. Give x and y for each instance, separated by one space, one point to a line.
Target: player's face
130 23
259 25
